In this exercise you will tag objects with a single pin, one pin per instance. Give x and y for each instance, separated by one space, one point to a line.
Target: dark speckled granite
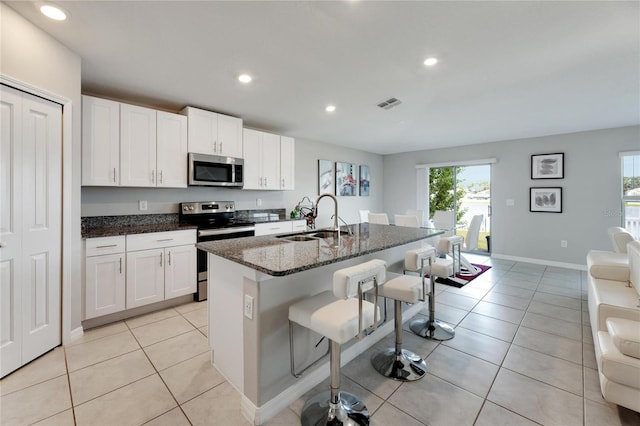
108 226
279 257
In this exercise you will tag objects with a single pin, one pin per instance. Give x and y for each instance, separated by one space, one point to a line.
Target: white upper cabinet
171 148
100 142
287 163
137 146
128 145
214 134
268 161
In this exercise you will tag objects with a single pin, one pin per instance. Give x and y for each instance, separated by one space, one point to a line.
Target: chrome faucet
336 227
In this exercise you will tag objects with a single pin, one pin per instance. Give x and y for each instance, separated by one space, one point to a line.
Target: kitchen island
253 280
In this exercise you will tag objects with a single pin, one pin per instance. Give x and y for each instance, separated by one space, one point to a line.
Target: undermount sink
325 234
297 238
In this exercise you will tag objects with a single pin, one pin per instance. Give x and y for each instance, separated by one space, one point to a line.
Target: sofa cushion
616 366
633 250
625 334
611 299
608 265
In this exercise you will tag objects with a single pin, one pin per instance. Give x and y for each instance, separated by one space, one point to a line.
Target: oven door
214 235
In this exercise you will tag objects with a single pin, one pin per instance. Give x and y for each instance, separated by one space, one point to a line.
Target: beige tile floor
522 355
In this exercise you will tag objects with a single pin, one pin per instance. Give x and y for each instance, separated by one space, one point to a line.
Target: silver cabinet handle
166 239
215 146
169 257
265 181
114 175
160 176
120 266
160 259
283 182
107 246
153 176
220 147
260 184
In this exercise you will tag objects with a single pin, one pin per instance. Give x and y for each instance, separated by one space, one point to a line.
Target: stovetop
211 214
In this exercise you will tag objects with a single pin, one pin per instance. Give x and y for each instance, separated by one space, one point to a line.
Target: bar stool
397 363
339 316
452 245
432 328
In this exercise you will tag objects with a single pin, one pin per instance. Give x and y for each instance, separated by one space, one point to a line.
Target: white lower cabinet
105 276
154 267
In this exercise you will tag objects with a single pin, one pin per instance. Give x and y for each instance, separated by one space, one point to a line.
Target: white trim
67 189
540 261
262 414
458 163
75 334
628 153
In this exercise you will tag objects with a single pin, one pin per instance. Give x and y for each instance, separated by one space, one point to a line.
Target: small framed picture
547 200
325 177
346 179
547 166
364 181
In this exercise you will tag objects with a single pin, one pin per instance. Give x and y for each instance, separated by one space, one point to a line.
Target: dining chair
419 214
380 218
364 216
406 220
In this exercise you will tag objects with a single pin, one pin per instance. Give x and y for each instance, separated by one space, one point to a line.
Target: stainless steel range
216 220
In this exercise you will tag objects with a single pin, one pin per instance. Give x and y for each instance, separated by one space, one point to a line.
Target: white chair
445 220
471 242
380 218
339 315
620 237
364 216
430 328
418 214
406 220
397 363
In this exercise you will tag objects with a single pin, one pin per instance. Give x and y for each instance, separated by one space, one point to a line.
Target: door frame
422 178
67 244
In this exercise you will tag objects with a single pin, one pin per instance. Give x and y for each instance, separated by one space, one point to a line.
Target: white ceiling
507 70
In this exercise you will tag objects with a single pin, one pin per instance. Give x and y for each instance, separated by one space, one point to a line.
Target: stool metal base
319 411
406 366
434 330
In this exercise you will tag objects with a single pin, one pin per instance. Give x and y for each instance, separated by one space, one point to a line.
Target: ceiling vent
389 103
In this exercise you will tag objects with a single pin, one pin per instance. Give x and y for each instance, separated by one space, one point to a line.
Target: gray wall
97 201
591 191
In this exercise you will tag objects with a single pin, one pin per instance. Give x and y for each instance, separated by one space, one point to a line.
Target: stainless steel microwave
214 170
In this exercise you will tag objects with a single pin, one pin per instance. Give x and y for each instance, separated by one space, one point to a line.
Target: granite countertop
279 256
110 226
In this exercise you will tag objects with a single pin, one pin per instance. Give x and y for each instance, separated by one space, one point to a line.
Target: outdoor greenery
630 183
441 187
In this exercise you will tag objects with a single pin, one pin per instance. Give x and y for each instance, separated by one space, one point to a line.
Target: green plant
442 183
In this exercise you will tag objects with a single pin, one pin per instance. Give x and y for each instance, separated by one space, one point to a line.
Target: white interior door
31 226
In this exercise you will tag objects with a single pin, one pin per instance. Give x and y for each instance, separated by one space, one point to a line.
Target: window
631 192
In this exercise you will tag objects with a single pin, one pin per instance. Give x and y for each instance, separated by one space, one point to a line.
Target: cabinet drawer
299 225
160 239
105 245
272 228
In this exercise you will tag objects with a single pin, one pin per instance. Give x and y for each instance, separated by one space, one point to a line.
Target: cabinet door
180 274
100 142
171 150
287 162
105 285
145 277
252 159
137 146
270 161
229 136
203 130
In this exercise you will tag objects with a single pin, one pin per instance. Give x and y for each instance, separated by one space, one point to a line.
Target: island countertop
279 257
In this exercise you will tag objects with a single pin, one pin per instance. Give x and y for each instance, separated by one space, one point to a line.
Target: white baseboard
540 261
75 334
259 415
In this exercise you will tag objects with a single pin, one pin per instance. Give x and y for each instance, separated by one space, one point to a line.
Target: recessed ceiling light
430 61
330 108
53 11
244 78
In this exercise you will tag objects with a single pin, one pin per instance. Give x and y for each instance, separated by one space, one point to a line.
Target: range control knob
185 208
191 208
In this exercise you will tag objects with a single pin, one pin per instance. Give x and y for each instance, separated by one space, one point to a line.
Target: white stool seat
302 311
442 267
413 258
405 288
445 244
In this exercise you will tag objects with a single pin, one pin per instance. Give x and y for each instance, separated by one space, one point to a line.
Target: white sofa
614 314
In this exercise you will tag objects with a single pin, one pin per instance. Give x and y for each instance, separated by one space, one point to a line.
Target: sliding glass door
460 198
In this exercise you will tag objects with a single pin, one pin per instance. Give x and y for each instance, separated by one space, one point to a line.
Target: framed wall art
545 199
547 166
325 177
346 184
364 181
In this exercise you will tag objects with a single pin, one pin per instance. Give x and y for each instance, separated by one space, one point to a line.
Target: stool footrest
319 410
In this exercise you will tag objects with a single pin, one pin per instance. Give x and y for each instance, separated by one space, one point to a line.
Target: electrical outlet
248 306
563 243
258 202
142 205
511 202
